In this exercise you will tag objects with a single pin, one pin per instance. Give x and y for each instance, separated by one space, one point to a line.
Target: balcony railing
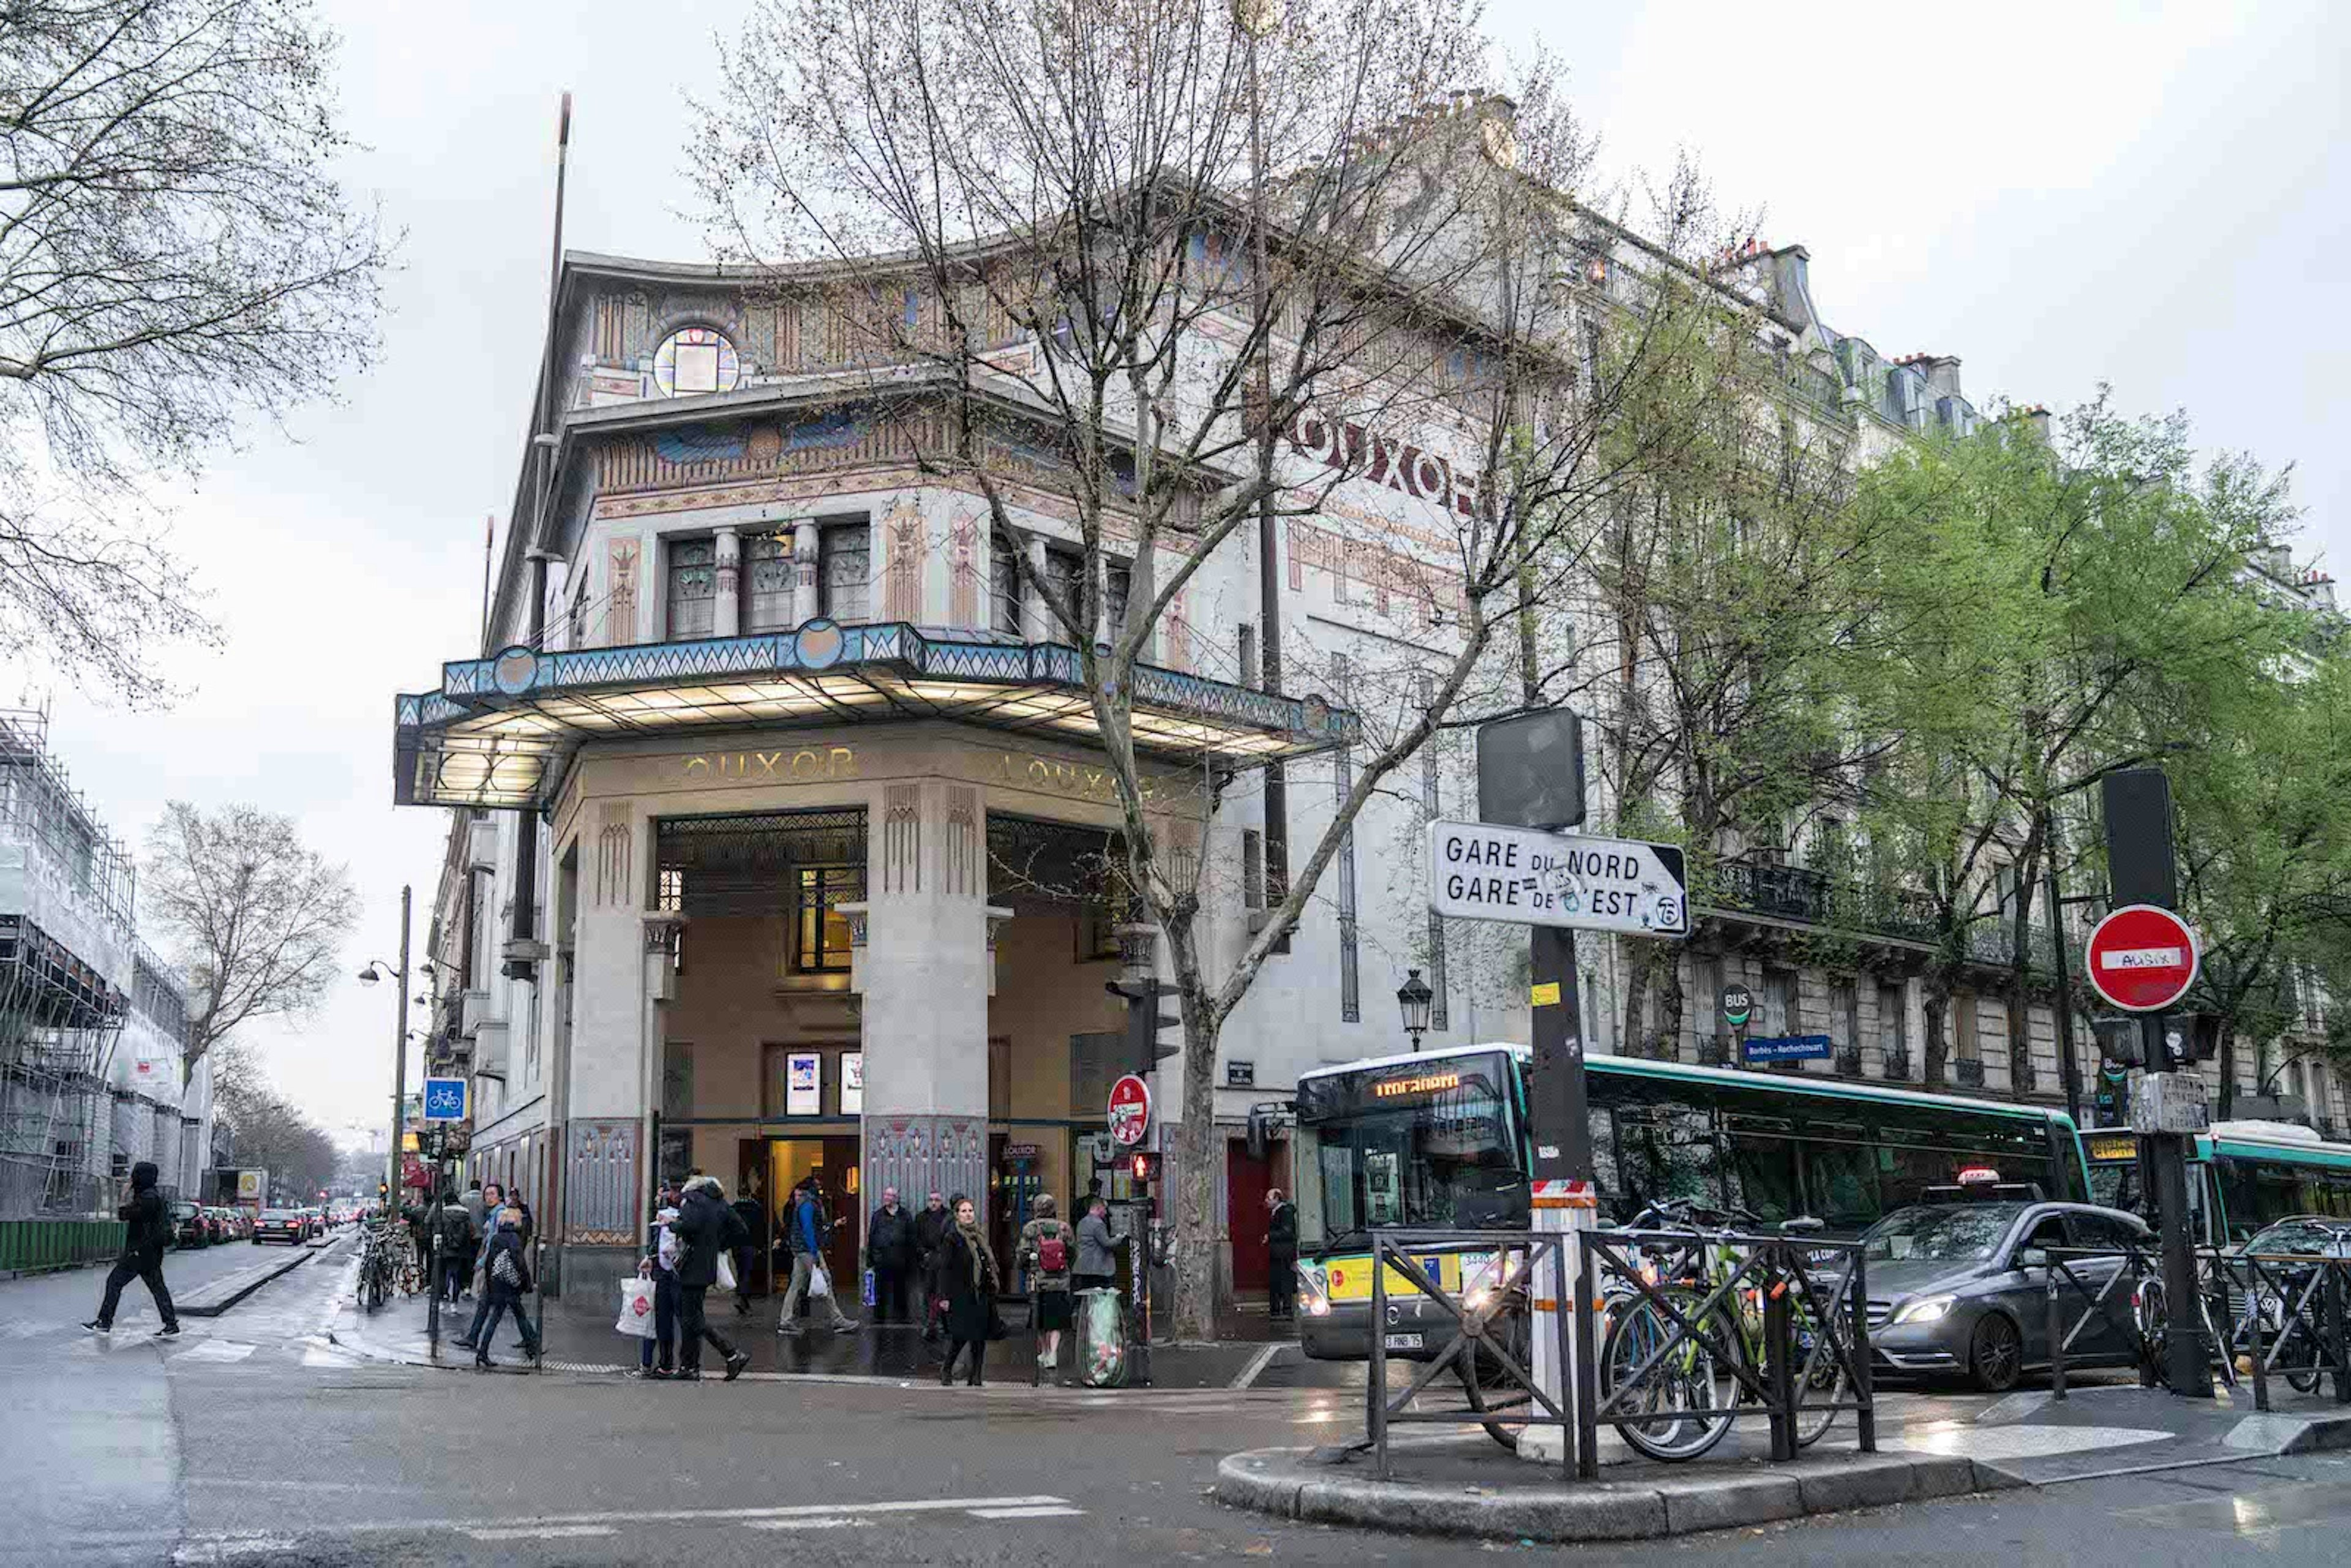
1809 897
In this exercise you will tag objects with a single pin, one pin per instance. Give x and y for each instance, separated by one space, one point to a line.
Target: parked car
217 1225
188 1225
1962 1288
287 1225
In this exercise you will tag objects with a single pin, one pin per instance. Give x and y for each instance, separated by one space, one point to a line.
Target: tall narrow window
768 574
1118 582
1431 808
693 588
1963 1026
820 930
1252 869
1004 592
1779 1002
844 568
1892 1027
1342 780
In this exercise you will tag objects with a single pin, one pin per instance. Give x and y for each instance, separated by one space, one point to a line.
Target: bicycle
2295 1350
1687 1385
2151 1313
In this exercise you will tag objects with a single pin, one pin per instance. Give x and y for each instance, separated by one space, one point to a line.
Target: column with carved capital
923 977
601 1098
729 620
804 571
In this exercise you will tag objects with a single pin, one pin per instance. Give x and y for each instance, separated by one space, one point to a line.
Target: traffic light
2191 1037
2120 1040
1145 1168
1143 1049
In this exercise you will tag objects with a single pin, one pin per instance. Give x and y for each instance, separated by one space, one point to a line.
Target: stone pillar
804 571
604 1098
923 979
729 620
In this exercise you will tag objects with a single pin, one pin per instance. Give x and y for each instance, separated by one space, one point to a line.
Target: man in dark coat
890 1253
755 1224
1282 1255
708 1227
147 1222
931 1228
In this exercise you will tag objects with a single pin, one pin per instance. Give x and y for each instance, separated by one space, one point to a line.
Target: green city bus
1440 1140
2242 1177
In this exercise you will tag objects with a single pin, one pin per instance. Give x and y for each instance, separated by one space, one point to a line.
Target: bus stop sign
2142 959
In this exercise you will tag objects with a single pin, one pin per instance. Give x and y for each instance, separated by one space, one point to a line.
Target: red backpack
1053 1249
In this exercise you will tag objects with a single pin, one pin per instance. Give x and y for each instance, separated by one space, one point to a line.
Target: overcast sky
2060 194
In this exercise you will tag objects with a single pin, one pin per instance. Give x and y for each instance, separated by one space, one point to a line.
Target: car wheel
1996 1353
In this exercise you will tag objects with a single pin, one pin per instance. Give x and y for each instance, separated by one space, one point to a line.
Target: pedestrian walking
1048 1247
708 1227
147 1234
1097 1267
755 1224
931 1228
890 1253
969 1279
506 1280
460 1234
657 1357
1281 1256
809 1231
494 1203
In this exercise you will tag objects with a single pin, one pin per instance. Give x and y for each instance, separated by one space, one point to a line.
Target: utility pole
399 1052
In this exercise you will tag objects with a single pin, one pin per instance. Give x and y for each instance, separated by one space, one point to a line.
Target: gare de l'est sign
1480 871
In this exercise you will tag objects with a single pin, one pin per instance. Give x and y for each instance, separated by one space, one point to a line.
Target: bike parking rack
1523 1251
2321 1310
2137 1264
1843 1334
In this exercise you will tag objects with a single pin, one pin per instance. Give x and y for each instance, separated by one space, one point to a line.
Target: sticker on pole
2142 958
1130 1110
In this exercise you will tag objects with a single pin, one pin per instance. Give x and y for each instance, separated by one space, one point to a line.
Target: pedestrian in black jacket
1281 1256
968 1278
754 1225
931 1228
148 1222
708 1227
506 1278
890 1253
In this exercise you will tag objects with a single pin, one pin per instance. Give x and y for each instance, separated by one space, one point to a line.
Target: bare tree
255 920
173 255
265 1129
1196 272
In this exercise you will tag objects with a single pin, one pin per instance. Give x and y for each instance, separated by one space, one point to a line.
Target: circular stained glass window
696 359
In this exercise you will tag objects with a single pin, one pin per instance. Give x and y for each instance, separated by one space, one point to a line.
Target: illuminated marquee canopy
500 731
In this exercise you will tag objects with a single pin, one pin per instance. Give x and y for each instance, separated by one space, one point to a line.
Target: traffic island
1464 1486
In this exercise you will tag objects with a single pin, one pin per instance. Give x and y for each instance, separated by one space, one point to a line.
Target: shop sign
803 1084
852 1083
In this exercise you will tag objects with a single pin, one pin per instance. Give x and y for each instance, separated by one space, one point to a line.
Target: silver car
1963 1287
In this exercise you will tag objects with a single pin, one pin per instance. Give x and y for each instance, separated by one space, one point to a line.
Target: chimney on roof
2037 415
1792 289
1942 374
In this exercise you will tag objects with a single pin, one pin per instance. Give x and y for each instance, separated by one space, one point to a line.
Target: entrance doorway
774 1167
1246 1180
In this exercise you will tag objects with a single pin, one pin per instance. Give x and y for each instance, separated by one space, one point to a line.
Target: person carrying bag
1047 1248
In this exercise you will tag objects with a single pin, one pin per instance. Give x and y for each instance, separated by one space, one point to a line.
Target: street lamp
379 970
1414 1000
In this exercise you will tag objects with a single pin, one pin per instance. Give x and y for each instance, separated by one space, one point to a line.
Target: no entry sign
1130 1110
2142 958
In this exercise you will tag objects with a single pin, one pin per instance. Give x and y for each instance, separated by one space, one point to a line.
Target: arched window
696 359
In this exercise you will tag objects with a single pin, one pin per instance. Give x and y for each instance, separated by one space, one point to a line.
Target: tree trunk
1670 1002
1640 957
1190 1206
2227 1057
2019 968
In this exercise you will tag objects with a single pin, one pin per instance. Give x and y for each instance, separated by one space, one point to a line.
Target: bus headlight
1311 1292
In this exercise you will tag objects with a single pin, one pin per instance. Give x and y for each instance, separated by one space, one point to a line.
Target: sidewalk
1928 1447
581 1340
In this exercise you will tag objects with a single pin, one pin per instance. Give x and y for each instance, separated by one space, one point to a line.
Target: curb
1287 1484
214 1306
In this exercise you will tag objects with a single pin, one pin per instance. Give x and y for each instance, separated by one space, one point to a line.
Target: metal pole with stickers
1515 865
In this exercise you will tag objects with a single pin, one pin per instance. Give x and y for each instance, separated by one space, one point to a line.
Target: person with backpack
506 1280
453 1223
809 1232
1047 1248
147 1233
754 1225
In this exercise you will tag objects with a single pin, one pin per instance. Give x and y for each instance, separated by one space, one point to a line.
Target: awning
500 731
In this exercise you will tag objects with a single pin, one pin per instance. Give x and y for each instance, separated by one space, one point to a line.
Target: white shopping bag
726 1271
636 1308
820 1281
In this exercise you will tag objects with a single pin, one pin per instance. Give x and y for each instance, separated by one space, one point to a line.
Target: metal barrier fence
1491 1350
1722 1326
36 1246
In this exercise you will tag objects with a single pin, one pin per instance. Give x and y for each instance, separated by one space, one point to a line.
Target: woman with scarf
968 1278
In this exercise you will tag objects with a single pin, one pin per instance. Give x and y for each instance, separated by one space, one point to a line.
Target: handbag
725 1270
820 1281
636 1309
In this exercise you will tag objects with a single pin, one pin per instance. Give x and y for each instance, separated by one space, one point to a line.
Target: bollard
1586 1392
2056 1342
1777 1349
1375 1407
2338 1330
1865 1387
433 1298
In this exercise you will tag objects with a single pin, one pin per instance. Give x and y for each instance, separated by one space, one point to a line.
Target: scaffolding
66 900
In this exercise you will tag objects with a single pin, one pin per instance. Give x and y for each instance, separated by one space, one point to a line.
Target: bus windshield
1429 1146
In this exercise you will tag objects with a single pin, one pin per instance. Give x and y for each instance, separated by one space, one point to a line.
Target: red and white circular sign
2142 958
1130 1110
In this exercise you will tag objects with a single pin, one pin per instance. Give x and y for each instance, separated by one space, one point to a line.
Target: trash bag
1101 1339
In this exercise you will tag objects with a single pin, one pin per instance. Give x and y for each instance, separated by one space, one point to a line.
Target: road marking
230 1549
215 1350
1034 1510
822 1521
1257 1364
542 1532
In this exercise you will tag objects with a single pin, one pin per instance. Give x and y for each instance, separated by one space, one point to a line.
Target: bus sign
1481 870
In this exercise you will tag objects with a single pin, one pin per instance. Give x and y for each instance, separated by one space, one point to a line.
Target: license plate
1403 1342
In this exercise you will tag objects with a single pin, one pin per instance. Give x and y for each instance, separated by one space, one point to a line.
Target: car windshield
2307 1237
1940 1233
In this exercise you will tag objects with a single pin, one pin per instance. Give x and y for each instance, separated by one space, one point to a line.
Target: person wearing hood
708 1228
505 1280
970 1280
147 1220
657 1356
